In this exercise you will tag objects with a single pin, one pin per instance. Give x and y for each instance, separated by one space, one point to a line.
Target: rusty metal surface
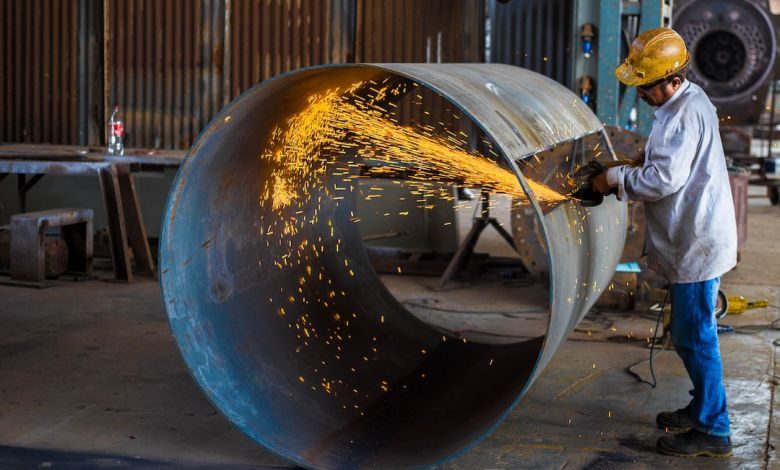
534 34
439 31
527 230
173 65
143 158
55 251
50 167
219 281
434 31
165 68
630 145
28 250
271 37
38 71
56 255
126 227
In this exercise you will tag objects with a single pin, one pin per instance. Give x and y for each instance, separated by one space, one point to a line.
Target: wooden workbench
125 223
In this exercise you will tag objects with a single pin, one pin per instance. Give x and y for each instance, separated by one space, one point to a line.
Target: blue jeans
695 336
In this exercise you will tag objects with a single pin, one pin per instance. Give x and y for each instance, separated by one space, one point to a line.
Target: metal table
125 223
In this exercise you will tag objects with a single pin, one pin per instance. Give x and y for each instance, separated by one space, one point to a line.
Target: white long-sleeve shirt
691 228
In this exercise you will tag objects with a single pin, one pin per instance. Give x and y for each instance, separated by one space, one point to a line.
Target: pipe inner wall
273 299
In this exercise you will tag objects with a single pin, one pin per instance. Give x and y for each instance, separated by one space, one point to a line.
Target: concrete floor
91 378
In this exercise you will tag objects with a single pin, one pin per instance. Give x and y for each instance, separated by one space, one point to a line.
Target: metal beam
632 7
610 51
653 14
615 102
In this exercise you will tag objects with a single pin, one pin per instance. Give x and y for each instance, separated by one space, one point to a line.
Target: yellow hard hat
654 54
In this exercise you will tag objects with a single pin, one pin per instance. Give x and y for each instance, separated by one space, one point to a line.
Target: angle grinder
585 195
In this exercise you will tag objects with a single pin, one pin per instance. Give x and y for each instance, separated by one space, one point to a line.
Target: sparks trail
315 158
334 123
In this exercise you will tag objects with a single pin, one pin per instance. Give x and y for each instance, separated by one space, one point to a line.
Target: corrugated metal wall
414 31
269 37
174 64
165 67
39 99
171 65
534 34
430 31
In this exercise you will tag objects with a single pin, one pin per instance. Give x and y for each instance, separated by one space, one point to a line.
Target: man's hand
600 184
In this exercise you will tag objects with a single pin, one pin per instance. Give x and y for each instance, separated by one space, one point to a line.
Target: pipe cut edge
222 293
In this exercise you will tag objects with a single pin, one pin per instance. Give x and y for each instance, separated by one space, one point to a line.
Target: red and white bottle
116 131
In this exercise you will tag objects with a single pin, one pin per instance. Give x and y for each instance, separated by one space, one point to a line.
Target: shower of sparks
314 162
335 122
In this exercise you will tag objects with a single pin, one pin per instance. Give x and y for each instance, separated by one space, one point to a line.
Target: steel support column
618 23
653 14
609 56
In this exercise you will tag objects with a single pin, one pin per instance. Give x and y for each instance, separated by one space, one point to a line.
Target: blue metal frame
653 14
610 33
614 102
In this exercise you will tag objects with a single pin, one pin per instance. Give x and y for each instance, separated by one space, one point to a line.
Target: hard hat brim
626 75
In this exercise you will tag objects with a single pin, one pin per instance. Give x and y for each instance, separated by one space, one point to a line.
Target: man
691 228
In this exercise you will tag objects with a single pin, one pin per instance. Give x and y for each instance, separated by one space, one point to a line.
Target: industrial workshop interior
389 234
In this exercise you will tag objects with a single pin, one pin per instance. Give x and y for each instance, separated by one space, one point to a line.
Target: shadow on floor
21 457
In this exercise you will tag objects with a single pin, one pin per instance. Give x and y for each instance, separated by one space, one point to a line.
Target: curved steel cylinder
733 45
383 389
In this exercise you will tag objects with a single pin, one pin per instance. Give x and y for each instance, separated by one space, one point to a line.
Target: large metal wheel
733 45
722 305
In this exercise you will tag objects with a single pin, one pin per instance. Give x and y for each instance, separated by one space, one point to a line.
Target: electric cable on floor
752 329
630 369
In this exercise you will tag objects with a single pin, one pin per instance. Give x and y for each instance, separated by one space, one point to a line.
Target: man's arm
665 171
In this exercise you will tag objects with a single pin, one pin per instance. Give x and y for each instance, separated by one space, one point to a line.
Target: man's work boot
679 420
695 443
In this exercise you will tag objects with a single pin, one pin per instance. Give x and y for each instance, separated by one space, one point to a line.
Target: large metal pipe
383 389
